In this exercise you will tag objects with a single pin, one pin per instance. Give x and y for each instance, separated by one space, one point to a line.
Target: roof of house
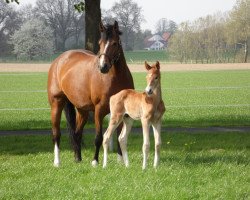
155 38
166 36
150 40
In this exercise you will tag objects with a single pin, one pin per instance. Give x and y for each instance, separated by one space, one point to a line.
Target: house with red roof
157 42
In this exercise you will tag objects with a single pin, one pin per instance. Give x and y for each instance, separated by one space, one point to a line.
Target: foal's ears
102 27
147 66
157 64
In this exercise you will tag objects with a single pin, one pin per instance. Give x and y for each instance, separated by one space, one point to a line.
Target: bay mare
80 81
129 105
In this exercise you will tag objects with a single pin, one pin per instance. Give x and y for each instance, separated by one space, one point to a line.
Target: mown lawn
193 166
192 99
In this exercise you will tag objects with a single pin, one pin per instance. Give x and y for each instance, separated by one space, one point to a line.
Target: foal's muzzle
149 91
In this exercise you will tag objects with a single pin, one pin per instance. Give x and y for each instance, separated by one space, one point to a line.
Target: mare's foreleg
56 112
81 120
123 138
99 115
146 142
157 137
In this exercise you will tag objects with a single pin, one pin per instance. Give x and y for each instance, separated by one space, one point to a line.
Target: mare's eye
156 77
114 43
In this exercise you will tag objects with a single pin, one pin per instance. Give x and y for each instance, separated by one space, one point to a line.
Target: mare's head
110 46
153 77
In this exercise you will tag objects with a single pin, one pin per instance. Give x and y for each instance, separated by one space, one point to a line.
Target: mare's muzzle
104 66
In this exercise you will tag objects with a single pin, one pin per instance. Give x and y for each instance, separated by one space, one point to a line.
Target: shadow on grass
34 144
191 159
183 121
183 148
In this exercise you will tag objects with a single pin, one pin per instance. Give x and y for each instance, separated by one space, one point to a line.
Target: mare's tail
70 114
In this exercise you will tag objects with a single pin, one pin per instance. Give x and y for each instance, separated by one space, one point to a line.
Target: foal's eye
156 77
114 43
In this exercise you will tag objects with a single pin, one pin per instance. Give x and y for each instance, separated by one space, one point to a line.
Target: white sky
176 10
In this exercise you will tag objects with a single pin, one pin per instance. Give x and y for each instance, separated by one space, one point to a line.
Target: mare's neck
120 65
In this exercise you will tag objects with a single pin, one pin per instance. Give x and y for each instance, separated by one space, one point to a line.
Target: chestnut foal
129 105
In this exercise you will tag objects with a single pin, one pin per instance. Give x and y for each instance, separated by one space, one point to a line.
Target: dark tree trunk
245 52
92 21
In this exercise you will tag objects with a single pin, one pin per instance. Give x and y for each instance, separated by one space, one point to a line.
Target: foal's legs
146 141
113 124
157 137
57 105
123 138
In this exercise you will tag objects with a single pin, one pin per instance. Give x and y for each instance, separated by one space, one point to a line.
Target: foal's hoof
119 158
94 163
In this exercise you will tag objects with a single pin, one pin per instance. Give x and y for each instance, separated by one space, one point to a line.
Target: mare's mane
109 32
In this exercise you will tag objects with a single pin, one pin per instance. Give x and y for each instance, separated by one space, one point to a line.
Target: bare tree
239 25
61 16
129 15
165 25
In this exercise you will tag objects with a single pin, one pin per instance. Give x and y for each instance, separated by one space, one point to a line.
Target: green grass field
193 99
193 166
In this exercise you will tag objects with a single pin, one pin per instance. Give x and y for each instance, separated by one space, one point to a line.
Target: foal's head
110 46
153 77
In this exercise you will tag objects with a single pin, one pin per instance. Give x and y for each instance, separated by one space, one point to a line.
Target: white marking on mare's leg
94 163
56 155
103 54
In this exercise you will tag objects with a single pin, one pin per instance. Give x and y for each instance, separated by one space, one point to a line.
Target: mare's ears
157 65
116 27
102 27
147 66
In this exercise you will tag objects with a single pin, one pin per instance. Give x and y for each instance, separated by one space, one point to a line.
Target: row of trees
52 25
217 38
61 27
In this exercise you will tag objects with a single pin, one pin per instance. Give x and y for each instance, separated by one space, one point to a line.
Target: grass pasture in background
131 57
193 99
150 56
193 166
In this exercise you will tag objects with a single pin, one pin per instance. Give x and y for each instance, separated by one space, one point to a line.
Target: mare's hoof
94 163
57 164
77 160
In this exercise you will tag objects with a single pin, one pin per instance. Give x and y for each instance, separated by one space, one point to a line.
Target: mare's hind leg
123 138
157 136
81 120
113 124
57 105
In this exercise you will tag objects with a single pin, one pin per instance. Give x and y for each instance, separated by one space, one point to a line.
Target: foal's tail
70 114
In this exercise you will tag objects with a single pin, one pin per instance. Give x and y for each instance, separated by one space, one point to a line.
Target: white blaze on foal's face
152 81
